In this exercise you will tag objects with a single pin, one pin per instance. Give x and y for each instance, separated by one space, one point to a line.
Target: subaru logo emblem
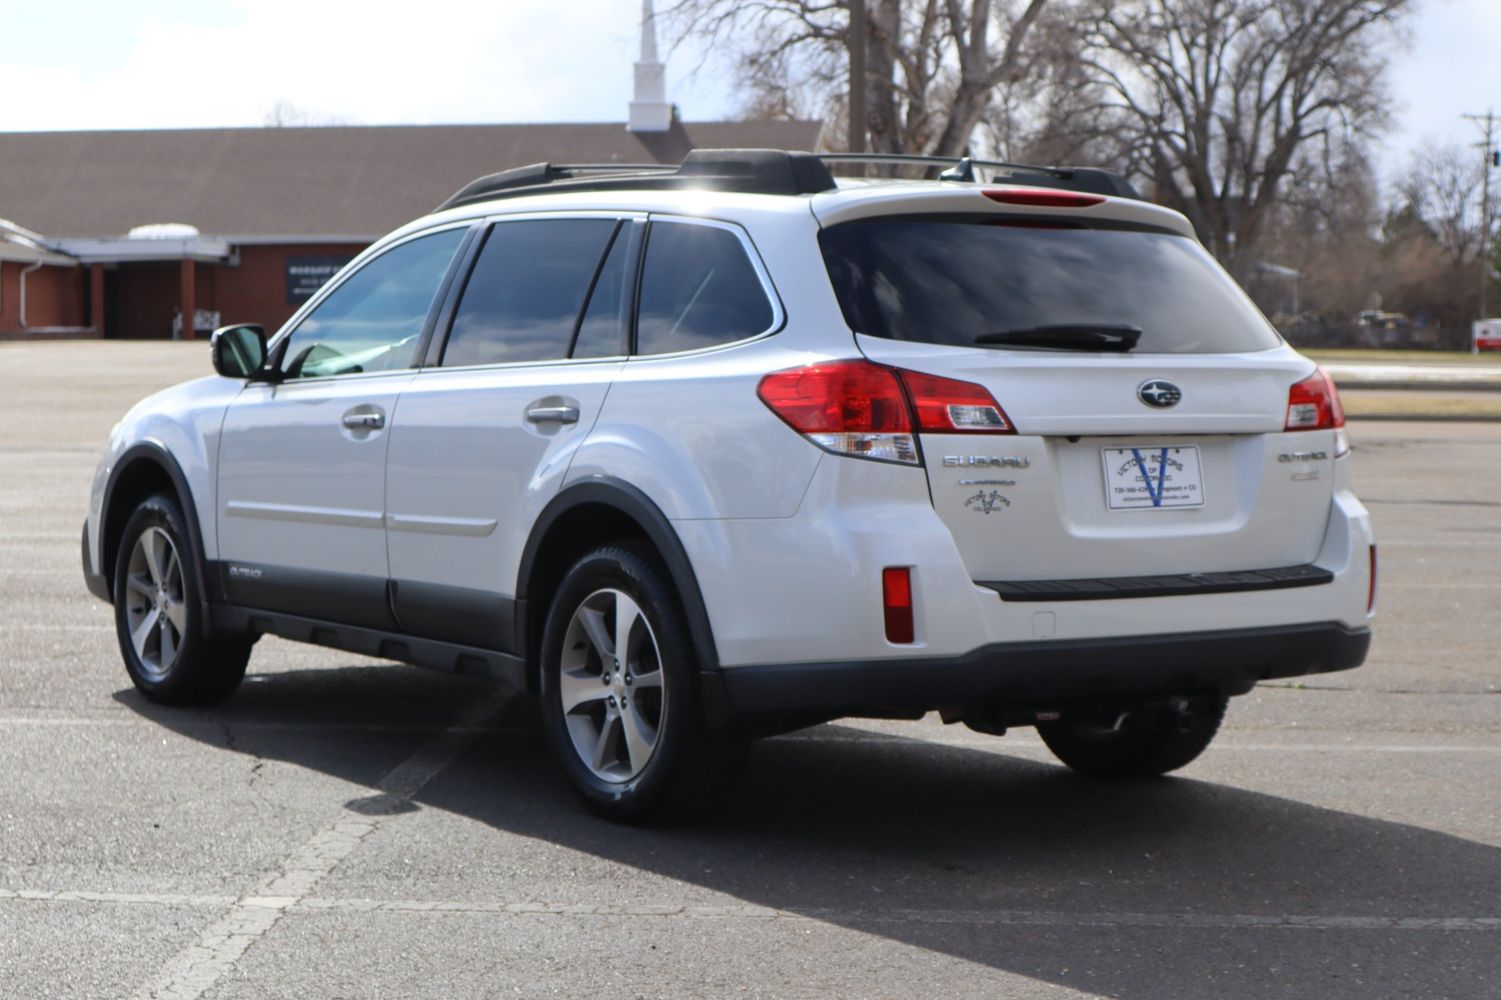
1158 393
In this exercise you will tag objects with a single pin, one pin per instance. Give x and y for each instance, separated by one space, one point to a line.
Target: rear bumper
95 581
1045 674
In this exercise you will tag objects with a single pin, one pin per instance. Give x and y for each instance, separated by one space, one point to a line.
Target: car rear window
951 280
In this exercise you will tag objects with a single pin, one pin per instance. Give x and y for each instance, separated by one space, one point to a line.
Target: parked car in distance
707 452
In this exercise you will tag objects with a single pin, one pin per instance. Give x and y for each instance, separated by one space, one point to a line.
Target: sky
97 64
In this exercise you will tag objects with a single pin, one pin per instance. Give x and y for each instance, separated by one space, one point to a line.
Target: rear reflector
1042 197
1370 597
896 596
1313 404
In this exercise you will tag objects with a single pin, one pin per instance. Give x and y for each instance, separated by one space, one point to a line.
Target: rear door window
524 295
952 280
698 289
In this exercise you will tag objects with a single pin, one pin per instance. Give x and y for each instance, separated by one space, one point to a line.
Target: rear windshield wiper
1068 337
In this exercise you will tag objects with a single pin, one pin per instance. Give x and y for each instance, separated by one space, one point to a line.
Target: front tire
158 613
620 692
1144 742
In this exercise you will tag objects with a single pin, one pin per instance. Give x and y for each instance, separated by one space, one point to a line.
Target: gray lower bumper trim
1041 674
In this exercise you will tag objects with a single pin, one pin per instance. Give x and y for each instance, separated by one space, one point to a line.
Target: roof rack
748 171
962 168
768 171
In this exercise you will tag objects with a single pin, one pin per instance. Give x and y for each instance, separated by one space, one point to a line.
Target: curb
1425 418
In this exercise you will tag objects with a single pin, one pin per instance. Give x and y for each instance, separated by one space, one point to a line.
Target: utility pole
857 77
1487 124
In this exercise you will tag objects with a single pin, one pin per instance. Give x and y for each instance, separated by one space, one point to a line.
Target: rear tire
620 693
159 610
1145 744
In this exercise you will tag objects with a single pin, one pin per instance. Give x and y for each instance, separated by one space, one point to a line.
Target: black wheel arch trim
158 455
634 503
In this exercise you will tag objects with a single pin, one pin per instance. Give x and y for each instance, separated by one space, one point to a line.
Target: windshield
1006 284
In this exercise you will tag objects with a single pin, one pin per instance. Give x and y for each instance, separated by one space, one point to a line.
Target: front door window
373 320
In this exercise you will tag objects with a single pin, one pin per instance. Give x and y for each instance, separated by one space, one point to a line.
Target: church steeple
650 110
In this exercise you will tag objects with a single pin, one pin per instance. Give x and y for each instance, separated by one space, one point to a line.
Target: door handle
560 414
365 421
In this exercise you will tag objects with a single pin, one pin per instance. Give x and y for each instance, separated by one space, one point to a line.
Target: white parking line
1025 918
1220 746
220 724
263 911
127 898
998 744
195 969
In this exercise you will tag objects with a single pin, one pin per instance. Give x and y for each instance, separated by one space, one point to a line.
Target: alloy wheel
156 610
610 682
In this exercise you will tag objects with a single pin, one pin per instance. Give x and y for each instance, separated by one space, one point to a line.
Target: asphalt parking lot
343 828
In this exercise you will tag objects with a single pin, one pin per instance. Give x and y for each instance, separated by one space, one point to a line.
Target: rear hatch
1147 395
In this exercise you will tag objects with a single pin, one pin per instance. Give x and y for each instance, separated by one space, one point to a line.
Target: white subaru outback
705 452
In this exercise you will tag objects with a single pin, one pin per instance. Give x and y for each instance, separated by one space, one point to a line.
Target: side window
698 289
523 298
371 322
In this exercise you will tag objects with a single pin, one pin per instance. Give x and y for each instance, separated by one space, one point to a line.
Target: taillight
850 407
857 407
1042 197
1370 597
1313 404
948 406
896 598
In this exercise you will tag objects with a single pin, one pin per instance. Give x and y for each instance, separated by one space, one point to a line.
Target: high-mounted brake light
857 407
1042 197
1313 404
896 601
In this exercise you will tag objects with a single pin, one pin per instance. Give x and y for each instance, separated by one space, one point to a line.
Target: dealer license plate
1153 477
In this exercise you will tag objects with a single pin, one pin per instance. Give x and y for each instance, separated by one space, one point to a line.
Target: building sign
1487 335
305 275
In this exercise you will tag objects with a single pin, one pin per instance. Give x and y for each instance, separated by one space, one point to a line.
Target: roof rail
768 171
748 171
1089 179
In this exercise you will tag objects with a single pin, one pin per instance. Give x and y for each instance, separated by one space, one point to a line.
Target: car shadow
1144 890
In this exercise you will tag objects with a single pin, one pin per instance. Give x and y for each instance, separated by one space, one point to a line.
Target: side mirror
239 351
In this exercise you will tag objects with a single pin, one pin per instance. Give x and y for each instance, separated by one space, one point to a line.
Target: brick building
119 234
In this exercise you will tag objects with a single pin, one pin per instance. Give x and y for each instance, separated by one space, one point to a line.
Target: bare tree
1442 186
1325 228
1433 234
284 114
933 67
1217 100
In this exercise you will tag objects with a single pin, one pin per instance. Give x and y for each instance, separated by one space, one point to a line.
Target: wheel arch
145 470
588 513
